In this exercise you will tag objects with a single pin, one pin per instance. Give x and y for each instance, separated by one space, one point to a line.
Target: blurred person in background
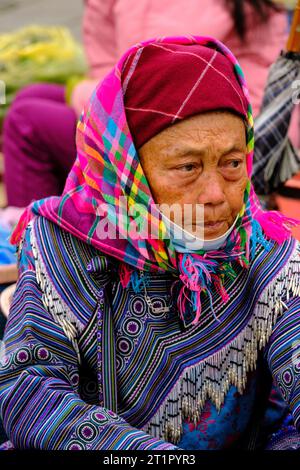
290 6
39 131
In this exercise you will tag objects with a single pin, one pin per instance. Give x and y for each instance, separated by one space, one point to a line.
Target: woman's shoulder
57 245
65 266
275 271
274 256
289 249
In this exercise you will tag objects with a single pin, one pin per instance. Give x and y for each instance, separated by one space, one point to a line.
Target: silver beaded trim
212 377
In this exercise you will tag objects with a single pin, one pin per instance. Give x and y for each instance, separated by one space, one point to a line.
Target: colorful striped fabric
110 371
107 168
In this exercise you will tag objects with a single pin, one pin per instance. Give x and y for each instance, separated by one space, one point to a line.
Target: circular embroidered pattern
119 363
89 388
99 418
297 366
101 294
287 377
138 306
124 346
74 444
41 354
5 361
74 379
23 356
132 327
157 302
87 431
112 415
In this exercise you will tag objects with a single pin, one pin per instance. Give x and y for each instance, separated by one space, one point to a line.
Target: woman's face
200 160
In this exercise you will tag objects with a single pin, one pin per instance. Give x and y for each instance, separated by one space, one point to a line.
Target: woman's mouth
209 229
212 227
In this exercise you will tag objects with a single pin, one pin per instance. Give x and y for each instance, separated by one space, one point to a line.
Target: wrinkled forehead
209 135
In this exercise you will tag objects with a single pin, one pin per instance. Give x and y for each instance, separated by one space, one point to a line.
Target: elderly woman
121 338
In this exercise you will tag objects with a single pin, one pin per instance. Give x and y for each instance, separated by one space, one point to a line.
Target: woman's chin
209 231
215 230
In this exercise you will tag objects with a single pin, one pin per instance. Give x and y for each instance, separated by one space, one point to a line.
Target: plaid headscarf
166 83
108 168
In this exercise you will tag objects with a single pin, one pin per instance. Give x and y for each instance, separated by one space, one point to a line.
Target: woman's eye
187 168
235 163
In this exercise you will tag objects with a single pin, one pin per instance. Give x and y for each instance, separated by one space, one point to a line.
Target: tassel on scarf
199 273
257 236
218 283
276 225
196 275
136 281
21 225
125 272
130 277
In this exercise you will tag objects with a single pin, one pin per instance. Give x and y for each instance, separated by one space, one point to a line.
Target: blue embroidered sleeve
40 404
283 356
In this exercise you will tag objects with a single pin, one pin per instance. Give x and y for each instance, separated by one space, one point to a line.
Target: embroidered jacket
90 365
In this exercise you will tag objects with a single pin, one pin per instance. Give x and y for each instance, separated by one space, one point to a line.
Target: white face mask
185 242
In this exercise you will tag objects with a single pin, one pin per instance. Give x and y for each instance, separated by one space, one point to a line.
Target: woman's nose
212 190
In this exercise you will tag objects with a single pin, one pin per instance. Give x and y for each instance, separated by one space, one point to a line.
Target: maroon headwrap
165 83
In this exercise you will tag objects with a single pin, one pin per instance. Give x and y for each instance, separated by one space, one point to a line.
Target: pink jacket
112 26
